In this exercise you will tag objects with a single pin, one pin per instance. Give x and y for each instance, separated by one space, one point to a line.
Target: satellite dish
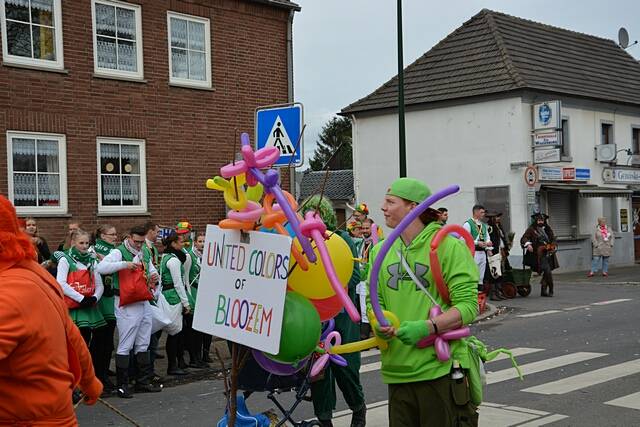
623 38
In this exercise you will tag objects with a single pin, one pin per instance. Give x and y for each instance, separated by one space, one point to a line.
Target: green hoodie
397 293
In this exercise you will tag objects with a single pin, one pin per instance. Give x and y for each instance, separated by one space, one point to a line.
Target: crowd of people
91 268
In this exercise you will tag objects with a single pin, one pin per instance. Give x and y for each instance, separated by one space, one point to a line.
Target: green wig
325 210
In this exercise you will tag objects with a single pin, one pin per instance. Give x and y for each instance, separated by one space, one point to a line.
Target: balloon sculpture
328 339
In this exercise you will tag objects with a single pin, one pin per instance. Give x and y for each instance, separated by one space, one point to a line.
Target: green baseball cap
410 189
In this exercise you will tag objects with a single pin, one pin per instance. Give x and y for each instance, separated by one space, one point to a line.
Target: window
32 32
37 172
189 50
117 39
635 141
564 148
607 133
122 177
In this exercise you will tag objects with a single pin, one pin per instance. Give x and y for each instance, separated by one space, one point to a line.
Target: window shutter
562 212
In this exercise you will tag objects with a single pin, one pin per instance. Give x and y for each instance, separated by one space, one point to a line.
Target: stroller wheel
524 290
509 290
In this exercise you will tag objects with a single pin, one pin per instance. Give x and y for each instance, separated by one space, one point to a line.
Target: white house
472 104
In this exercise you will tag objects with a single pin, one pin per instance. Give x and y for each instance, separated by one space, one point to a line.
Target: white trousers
134 326
481 261
362 290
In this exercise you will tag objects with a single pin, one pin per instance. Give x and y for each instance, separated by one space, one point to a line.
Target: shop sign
542 139
546 115
546 156
621 176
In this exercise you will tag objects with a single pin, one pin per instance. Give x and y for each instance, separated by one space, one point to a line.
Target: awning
591 190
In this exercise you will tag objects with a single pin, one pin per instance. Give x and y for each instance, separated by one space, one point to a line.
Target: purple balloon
274 367
386 245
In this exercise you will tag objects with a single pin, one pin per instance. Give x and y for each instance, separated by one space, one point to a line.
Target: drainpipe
290 97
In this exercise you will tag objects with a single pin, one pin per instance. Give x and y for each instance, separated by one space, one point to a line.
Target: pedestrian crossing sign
280 126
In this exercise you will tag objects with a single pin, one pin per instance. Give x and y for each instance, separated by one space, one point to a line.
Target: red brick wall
189 133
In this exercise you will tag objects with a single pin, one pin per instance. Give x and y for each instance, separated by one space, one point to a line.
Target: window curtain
48 153
24 189
48 189
19 3
110 189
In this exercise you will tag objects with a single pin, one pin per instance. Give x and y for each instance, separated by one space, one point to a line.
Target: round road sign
531 176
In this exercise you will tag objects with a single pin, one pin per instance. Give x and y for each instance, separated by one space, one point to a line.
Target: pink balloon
251 213
333 338
374 233
441 341
312 227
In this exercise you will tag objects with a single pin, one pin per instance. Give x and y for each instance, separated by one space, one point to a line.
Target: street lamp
402 147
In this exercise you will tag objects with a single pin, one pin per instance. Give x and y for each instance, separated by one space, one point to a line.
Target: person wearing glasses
134 319
105 239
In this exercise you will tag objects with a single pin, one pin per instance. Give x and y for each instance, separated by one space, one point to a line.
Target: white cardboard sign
242 287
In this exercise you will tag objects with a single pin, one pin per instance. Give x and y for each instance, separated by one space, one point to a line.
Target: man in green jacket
422 390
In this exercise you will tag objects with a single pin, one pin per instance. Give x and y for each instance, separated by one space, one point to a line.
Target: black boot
550 289
122 375
206 348
359 417
325 423
543 291
145 375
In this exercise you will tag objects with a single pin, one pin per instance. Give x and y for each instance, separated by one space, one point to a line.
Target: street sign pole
402 150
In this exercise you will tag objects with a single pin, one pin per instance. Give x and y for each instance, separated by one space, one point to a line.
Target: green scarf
103 248
85 258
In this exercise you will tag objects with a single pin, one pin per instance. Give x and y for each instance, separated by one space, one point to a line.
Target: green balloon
301 330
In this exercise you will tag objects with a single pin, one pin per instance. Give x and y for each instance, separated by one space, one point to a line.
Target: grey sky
345 49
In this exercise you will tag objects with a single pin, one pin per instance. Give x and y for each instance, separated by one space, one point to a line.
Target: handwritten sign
242 287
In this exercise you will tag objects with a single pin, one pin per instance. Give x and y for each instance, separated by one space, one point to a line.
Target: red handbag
133 286
81 281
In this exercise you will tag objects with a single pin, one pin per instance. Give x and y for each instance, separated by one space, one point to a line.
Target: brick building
118 111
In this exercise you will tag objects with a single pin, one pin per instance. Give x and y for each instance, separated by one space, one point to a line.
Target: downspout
290 97
354 156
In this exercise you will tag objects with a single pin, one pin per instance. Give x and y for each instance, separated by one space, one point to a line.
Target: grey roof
339 184
280 3
493 52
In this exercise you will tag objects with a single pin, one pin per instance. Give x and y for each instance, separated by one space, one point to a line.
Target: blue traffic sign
279 126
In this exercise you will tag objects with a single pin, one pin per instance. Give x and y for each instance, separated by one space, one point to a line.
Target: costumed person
201 341
42 249
129 268
42 354
83 288
422 391
323 391
539 244
362 289
184 228
493 274
444 215
602 242
66 243
150 251
175 292
480 233
360 213
106 238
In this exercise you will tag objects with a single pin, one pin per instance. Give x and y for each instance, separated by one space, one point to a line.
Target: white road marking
518 351
546 420
587 379
613 301
631 401
539 313
542 365
370 367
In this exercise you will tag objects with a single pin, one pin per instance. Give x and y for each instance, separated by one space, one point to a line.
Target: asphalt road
580 352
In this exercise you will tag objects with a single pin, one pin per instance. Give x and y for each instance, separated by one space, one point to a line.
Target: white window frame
207 41
107 72
58 64
62 171
124 210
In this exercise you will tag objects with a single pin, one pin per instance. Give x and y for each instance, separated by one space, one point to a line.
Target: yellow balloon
372 342
314 283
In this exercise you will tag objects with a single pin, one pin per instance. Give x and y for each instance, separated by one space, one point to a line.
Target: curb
489 311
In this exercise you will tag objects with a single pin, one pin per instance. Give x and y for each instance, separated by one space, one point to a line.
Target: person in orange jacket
42 354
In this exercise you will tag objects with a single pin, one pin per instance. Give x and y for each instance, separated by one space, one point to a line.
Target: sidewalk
624 275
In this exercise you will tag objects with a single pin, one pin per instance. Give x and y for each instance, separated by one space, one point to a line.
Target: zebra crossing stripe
631 401
613 301
587 379
540 366
518 351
